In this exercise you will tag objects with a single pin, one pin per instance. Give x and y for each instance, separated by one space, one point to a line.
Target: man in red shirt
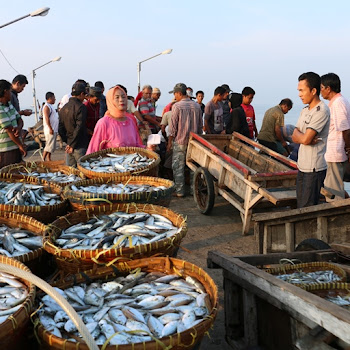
248 95
93 109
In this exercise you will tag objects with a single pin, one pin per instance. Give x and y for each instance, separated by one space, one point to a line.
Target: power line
8 62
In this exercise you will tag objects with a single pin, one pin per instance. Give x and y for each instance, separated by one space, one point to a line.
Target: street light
40 12
33 76
166 52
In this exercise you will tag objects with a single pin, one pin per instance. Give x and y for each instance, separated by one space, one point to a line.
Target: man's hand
27 112
22 150
51 131
169 146
69 149
15 131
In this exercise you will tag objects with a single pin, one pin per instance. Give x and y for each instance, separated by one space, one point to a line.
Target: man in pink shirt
338 144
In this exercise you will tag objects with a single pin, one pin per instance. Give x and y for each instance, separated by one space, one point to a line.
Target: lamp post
34 93
166 52
40 12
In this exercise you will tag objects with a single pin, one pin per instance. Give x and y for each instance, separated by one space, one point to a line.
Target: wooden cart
265 312
244 172
284 231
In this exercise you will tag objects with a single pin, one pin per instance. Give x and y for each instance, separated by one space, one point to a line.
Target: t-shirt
311 157
53 117
8 118
339 122
147 108
166 118
213 113
131 108
250 116
273 117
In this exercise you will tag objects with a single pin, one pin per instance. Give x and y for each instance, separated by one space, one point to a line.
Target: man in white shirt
338 144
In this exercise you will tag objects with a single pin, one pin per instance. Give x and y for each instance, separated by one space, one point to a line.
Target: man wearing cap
155 97
72 125
226 113
186 117
147 109
93 109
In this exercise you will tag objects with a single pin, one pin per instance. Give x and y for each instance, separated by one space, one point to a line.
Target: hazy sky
263 44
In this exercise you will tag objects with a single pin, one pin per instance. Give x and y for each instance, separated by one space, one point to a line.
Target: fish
300 277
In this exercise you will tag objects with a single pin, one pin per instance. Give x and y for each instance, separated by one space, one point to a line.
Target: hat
189 92
226 87
95 91
179 87
78 88
156 91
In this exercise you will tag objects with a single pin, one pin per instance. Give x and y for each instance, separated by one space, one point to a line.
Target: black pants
271 145
309 187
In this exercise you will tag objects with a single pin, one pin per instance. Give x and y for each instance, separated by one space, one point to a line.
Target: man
72 125
189 92
186 117
199 98
213 113
338 144
103 103
50 121
155 97
93 109
248 94
270 134
147 109
226 111
66 97
311 133
19 82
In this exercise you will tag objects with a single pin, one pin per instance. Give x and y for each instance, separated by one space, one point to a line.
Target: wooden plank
221 179
268 176
322 228
247 211
250 318
341 247
267 238
259 237
236 203
330 316
290 237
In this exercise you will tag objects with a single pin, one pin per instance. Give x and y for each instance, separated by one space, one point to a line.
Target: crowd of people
88 121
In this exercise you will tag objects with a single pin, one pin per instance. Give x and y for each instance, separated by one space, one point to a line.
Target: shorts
334 180
50 142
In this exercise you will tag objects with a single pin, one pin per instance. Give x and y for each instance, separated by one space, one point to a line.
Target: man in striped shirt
186 117
10 144
147 109
338 143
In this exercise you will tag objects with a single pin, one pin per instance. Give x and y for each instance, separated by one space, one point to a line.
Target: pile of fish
117 188
300 277
117 163
116 230
130 309
340 300
26 194
12 294
57 176
16 241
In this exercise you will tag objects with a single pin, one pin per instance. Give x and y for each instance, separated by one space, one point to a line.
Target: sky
262 44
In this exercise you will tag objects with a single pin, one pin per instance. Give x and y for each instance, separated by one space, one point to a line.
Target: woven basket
45 213
308 267
151 170
13 332
185 340
43 167
73 261
81 200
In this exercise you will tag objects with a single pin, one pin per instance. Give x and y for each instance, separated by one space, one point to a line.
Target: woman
11 147
117 128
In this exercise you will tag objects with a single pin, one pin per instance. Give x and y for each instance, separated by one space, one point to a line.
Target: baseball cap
179 87
226 87
78 88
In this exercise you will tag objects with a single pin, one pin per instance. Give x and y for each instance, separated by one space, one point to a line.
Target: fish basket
14 331
75 260
43 167
81 200
188 339
38 260
150 170
325 290
45 213
308 267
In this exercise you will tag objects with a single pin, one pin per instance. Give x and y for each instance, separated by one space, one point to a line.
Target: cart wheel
311 244
203 190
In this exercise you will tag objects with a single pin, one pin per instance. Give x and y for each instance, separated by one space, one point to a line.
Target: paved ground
221 230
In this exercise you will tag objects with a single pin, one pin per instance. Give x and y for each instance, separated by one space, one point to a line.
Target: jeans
72 159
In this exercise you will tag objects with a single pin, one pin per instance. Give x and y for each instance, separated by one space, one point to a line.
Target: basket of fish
56 172
16 304
147 304
124 189
311 273
26 196
21 238
119 162
113 233
337 293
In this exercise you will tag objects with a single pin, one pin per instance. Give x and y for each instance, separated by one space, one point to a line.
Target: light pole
40 12
166 52
33 76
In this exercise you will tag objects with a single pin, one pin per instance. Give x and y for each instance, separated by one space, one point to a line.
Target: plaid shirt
8 118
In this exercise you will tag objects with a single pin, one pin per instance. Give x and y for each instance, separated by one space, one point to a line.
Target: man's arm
80 120
346 137
307 138
16 140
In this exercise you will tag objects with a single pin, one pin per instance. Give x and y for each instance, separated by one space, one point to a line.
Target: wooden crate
283 231
263 312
